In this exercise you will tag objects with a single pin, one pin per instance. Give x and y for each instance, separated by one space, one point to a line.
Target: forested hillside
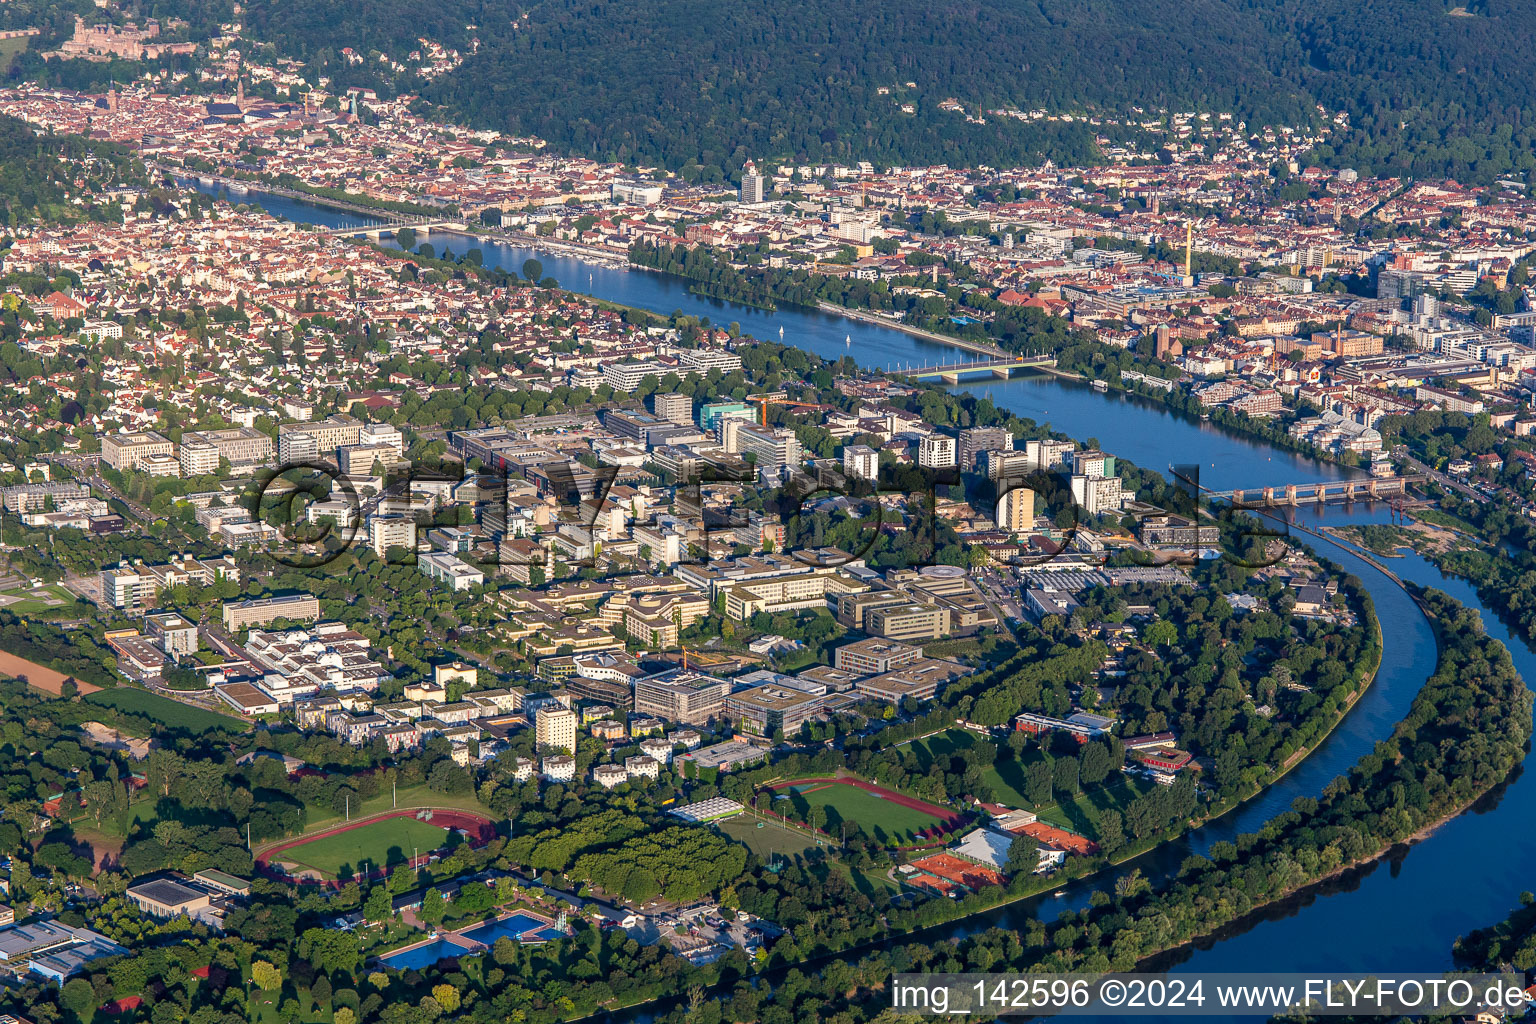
691 81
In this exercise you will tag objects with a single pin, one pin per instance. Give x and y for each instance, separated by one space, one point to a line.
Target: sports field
366 848
769 841
886 815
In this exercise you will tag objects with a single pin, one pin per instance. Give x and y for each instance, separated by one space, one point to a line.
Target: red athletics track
947 816
479 828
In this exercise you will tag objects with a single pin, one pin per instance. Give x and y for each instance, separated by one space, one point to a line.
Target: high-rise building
862 461
1016 510
674 408
753 185
1045 455
936 451
555 727
982 439
774 448
1097 494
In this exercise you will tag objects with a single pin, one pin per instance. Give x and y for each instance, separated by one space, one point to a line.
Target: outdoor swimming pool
423 956
514 927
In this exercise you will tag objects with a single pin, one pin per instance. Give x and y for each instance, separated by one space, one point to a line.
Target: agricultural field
163 710
367 847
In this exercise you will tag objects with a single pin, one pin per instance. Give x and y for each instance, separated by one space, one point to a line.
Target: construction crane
779 398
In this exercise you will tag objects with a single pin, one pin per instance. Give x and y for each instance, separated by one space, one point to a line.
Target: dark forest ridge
677 82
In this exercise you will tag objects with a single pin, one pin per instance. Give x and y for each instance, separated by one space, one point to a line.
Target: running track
480 829
948 816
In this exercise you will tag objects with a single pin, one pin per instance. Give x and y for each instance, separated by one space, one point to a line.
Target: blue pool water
510 927
423 956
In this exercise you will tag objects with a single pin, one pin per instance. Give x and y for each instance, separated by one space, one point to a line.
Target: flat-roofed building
177 635
124 452
723 757
673 407
53 950
247 699
450 570
681 695
241 447
874 655
555 728
908 621
263 611
919 680
298 442
764 710
168 897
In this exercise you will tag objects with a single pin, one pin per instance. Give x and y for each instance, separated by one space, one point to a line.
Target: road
1446 481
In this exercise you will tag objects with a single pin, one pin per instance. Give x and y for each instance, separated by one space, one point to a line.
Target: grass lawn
878 817
165 711
10 49
771 840
33 600
380 844
406 796
941 744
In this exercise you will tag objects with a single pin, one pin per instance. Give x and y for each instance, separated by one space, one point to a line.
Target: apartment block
555 727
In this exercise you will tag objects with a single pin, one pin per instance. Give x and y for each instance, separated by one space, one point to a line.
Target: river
1400 914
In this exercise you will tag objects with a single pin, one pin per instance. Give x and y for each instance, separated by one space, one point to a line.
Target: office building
627 377
555 728
318 439
242 447
135 585
450 570
764 710
874 656
712 413
263 611
177 636
681 695
771 449
124 452
911 621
